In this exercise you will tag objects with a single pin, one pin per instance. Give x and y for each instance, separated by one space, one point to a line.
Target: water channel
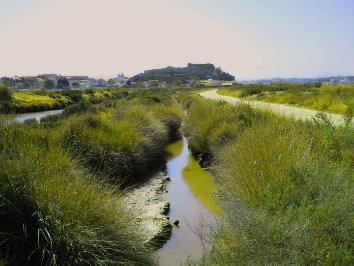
38 116
185 207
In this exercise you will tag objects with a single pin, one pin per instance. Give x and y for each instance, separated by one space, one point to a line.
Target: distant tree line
221 75
176 78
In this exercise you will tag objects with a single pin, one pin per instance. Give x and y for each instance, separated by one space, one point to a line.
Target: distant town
194 75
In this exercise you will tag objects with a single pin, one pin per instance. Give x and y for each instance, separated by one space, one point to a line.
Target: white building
344 80
121 79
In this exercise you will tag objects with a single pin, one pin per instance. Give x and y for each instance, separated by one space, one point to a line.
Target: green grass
329 98
210 125
58 204
41 100
54 212
287 187
120 143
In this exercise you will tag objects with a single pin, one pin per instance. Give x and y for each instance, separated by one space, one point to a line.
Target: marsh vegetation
60 182
286 185
283 189
334 98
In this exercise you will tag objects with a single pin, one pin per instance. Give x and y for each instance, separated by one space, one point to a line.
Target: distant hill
191 72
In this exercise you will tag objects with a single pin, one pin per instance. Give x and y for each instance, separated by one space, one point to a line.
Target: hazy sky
248 38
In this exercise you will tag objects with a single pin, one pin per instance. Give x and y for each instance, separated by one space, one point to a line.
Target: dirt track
289 111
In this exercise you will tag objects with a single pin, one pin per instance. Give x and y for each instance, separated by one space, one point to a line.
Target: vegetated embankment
281 109
61 202
331 98
16 102
286 185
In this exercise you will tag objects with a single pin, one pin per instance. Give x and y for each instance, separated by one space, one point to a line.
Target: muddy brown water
190 212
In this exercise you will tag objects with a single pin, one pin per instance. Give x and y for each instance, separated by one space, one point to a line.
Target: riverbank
61 182
19 102
149 198
286 184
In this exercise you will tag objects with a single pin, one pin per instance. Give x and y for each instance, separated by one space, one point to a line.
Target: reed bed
287 187
61 183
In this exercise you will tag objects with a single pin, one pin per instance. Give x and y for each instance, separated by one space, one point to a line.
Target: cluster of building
326 80
82 82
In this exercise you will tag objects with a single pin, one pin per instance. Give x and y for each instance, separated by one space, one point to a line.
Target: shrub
48 84
5 94
79 108
120 143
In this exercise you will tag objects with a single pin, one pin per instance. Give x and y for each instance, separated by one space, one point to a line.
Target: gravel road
289 111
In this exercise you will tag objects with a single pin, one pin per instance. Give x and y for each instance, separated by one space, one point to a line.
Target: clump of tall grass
79 108
119 142
287 193
171 117
5 93
52 212
210 125
261 155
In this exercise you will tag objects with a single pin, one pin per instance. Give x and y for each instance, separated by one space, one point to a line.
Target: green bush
79 108
5 94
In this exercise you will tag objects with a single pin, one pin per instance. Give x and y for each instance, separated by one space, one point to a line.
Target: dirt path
289 111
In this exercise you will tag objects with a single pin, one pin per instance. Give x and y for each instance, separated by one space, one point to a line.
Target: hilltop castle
200 70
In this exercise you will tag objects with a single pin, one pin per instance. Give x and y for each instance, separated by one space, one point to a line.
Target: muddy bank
149 199
184 193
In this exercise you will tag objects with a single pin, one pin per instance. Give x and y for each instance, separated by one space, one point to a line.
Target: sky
247 38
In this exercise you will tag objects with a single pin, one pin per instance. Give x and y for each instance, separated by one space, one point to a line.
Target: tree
76 84
221 75
48 84
64 82
129 83
177 83
59 86
26 84
112 81
227 76
218 73
5 94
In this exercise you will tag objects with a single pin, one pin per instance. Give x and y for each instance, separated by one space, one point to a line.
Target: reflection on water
38 116
186 208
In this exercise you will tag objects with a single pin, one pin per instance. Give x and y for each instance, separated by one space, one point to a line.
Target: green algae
202 184
175 148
